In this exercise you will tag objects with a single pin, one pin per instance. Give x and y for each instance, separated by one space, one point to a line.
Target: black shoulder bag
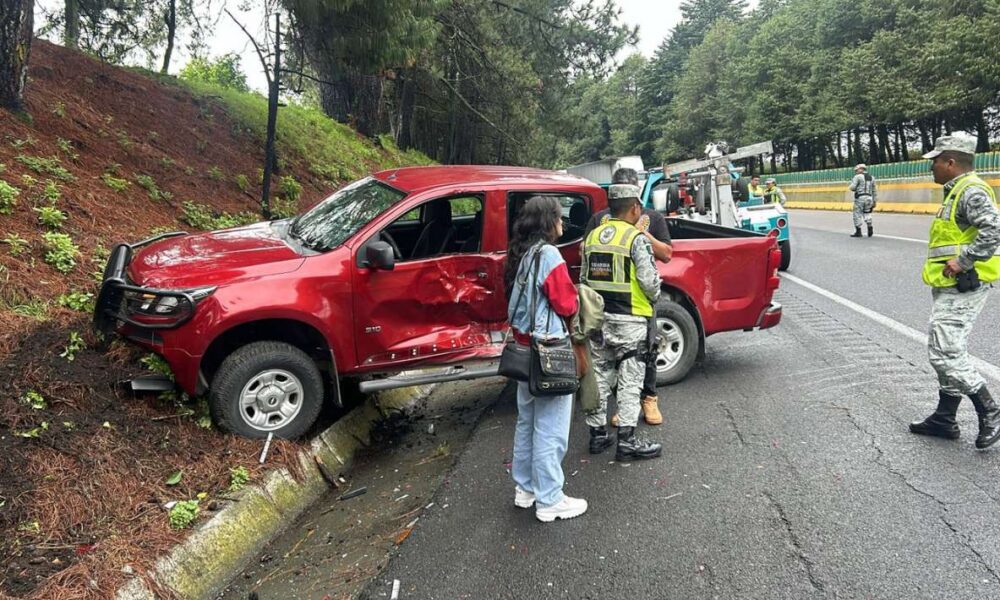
552 370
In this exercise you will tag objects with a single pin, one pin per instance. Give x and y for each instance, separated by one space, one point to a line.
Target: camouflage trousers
618 363
861 205
952 318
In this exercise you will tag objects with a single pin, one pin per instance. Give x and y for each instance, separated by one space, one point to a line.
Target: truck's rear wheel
679 341
786 254
266 387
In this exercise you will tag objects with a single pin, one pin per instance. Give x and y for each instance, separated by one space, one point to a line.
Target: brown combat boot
650 410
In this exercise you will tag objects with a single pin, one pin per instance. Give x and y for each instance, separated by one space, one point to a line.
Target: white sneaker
523 499
567 508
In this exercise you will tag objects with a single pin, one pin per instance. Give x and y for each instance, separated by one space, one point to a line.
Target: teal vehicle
765 214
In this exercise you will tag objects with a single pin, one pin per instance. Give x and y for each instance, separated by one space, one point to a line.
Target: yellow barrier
917 197
923 208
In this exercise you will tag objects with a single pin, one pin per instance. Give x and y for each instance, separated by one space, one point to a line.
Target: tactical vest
868 189
947 240
610 270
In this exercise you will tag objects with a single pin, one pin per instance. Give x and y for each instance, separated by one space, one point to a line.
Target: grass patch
116 183
46 166
8 197
201 216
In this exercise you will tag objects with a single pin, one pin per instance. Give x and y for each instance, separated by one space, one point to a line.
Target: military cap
623 190
861 167
953 143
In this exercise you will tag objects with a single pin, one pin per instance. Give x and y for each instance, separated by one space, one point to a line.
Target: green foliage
28 181
80 301
238 478
115 183
8 197
216 173
38 309
67 147
34 400
18 144
183 513
166 162
124 140
156 364
60 251
201 216
289 188
282 208
46 166
51 217
59 110
224 72
16 245
243 183
147 183
74 345
51 192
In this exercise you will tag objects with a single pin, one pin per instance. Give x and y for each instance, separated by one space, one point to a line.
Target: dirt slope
84 465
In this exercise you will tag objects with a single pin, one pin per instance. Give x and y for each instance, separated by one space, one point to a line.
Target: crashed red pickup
386 281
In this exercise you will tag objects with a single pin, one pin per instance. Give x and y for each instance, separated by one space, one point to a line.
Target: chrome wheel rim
671 344
271 400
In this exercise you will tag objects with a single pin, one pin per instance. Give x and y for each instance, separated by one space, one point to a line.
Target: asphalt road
788 471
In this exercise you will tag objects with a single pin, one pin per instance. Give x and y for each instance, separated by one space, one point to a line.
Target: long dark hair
535 222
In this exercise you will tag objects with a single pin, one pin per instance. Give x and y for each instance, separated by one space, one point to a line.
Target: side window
575 209
443 226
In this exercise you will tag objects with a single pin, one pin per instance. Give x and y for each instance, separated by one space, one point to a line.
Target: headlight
158 304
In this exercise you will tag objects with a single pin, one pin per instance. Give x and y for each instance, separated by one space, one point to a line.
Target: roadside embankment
920 196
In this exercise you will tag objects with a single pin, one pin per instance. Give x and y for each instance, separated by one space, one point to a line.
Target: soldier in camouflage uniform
618 264
863 186
960 268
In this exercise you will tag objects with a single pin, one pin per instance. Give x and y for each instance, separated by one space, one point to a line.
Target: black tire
674 361
673 198
741 191
257 361
786 254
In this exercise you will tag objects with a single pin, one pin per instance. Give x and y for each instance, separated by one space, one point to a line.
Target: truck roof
413 179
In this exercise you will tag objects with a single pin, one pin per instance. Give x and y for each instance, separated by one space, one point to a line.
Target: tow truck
702 189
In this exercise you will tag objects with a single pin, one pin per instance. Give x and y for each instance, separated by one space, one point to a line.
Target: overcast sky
655 18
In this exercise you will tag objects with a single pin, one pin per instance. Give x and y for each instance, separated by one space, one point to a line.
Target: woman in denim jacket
542 431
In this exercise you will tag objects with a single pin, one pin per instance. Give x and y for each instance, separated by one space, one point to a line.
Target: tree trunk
270 158
16 22
171 20
874 153
774 160
903 142
71 30
925 136
887 154
947 127
407 103
859 155
982 132
840 149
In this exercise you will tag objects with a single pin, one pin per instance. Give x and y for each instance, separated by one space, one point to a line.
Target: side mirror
379 255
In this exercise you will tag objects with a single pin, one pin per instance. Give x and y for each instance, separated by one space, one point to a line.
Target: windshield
340 216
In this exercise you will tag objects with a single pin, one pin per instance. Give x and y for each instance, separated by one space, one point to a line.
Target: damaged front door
443 301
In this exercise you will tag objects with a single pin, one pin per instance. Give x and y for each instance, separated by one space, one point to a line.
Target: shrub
28 181
51 217
60 251
81 301
183 513
34 400
74 345
8 197
201 216
238 477
59 110
149 184
51 192
224 71
67 147
166 162
46 166
282 208
290 189
243 183
17 245
215 173
156 364
115 183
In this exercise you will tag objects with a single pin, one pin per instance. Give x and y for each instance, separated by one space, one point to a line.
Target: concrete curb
203 564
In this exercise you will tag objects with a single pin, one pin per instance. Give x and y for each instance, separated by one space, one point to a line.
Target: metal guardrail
987 162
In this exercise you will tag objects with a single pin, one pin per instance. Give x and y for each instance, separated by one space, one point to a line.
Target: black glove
968 281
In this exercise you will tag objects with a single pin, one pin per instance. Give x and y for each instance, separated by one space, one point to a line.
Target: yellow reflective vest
947 240
610 270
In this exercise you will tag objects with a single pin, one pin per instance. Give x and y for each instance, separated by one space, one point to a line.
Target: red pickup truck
386 281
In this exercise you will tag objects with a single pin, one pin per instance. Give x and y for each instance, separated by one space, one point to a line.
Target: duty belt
939 251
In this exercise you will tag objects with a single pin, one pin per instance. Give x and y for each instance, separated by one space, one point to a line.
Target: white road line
881 235
985 368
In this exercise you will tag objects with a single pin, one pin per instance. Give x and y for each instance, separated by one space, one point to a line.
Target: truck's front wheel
266 387
678 342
